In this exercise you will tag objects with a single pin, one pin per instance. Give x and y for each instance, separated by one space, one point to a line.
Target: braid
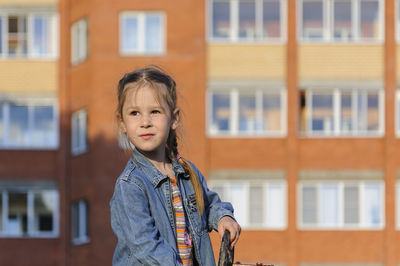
172 149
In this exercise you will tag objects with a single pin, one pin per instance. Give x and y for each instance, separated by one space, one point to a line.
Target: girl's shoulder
131 174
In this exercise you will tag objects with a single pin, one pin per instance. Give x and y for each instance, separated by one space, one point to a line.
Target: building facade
290 109
31 190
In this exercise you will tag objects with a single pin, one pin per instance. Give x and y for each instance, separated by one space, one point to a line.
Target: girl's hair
165 88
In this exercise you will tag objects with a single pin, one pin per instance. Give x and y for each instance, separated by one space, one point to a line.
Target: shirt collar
151 172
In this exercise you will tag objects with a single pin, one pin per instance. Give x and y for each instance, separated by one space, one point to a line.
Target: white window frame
83 236
31 232
30 102
264 184
234 114
79 41
79 143
234 24
328 27
29 14
341 225
141 16
336 94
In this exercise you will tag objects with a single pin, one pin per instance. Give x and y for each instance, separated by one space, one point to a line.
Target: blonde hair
165 88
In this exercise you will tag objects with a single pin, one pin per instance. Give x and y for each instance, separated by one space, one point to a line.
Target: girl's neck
160 161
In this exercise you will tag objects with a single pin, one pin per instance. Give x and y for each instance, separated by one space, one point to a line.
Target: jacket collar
151 172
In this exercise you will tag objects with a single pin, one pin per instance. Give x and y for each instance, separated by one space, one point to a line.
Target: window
258 204
341 20
79 132
28 123
250 112
28 34
341 204
142 33
28 211
80 222
247 20
342 112
79 41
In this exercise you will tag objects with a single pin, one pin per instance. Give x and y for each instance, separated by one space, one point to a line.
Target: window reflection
342 20
272 112
346 112
130 40
247 113
271 19
221 19
153 34
221 112
247 19
17 222
17 37
322 112
369 25
44 208
312 19
18 127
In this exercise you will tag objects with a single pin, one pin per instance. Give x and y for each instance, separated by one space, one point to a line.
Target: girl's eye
155 112
134 113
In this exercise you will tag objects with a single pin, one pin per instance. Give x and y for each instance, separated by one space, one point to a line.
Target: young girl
161 210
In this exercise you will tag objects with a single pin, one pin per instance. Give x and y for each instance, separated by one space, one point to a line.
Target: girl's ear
122 126
175 119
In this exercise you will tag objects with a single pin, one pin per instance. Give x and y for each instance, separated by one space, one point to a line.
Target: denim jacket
142 215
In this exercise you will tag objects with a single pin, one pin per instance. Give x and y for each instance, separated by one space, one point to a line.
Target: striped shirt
184 239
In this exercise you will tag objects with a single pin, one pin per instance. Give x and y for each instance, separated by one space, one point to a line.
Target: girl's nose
146 121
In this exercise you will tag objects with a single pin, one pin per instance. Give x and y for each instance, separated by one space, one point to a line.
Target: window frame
30 102
341 225
79 121
141 16
328 25
234 23
83 223
79 41
29 191
336 132
234 132
29 14
264 184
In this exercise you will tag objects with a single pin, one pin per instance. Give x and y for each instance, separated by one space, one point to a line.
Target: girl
161 210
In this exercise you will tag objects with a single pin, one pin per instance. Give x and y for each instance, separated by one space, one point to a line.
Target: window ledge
80 241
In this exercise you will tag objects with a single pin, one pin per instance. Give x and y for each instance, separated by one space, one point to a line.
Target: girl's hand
227 223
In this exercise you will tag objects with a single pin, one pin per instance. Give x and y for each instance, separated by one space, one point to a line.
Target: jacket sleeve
134 226
214 208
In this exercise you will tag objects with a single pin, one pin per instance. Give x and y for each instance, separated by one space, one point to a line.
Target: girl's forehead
144 94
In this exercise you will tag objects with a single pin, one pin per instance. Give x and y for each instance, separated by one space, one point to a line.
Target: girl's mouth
146 136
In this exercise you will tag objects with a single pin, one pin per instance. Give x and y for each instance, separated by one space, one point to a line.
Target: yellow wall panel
341 61
28 2
246 61
28 76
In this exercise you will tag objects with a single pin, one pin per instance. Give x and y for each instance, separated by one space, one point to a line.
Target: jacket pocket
197 223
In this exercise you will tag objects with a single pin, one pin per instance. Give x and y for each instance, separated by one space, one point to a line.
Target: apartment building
290 109
31 220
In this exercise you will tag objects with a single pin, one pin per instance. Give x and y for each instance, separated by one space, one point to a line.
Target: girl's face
147 121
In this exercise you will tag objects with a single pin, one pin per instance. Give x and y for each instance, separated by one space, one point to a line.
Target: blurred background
290 109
